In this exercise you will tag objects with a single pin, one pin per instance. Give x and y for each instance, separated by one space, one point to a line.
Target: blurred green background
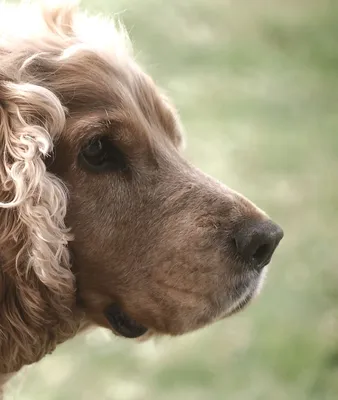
256 83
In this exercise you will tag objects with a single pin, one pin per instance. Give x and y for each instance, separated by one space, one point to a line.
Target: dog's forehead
88 63
106 92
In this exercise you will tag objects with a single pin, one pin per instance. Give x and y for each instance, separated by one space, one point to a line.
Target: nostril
256 242
262 253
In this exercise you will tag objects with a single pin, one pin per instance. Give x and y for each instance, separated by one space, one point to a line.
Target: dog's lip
122 323
241 303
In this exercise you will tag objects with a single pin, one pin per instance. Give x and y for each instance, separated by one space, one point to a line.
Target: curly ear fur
39 53
37 287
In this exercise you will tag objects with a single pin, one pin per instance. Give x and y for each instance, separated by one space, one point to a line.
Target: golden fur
154 238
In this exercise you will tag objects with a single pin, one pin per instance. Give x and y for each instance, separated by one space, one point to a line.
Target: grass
256 85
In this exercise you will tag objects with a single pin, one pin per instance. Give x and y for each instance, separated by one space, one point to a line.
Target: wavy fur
37 285
33 238
37 288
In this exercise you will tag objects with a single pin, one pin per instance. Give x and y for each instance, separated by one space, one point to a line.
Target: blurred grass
256 85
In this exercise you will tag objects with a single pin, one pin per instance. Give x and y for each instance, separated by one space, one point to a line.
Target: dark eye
100 155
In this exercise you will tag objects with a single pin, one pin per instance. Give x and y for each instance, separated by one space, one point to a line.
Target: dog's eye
101 155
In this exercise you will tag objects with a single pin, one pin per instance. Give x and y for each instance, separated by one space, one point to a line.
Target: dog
103 222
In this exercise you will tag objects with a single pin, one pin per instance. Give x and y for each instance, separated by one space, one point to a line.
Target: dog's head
89 143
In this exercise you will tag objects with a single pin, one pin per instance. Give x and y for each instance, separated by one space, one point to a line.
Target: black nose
256 242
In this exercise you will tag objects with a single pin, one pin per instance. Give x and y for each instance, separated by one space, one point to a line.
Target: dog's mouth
248 291
122 323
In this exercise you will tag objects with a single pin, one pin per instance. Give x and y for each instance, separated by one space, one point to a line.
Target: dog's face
159 246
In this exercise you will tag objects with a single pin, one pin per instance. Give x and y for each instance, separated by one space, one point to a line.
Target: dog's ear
36 283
